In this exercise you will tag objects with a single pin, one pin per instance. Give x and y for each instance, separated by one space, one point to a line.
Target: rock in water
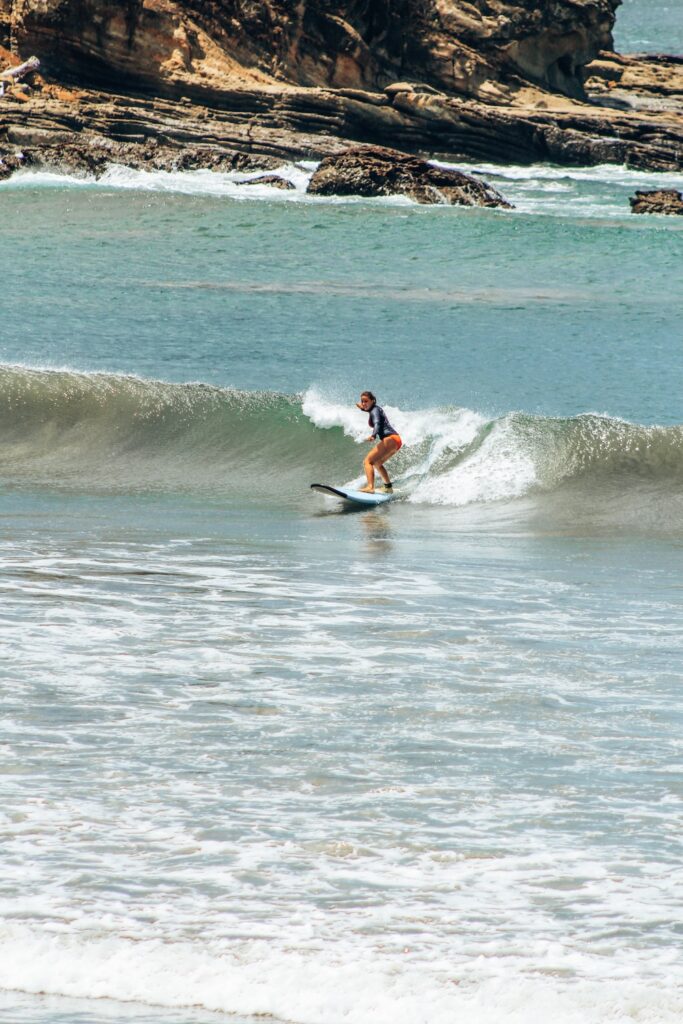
664 200
377 171
9 163
274 180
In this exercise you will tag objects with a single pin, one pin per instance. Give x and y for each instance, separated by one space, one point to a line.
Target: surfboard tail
353 497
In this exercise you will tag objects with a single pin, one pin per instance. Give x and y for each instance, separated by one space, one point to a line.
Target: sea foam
600 191
321 987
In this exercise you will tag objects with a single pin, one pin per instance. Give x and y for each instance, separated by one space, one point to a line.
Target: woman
388 442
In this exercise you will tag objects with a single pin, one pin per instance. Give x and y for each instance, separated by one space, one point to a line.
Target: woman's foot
367 490
387 488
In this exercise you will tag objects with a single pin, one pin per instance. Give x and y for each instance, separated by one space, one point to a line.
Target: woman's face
365 402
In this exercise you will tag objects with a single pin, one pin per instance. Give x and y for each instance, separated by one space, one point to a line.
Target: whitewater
262 756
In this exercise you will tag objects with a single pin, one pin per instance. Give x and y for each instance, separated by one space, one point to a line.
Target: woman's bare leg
375 461
383 473
369 467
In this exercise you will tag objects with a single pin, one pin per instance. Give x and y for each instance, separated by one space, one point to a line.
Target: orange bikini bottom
396 438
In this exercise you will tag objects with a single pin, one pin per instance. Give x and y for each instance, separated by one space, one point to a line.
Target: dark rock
79 161
9 163
193 158
270 179
664 200
376 171
92 157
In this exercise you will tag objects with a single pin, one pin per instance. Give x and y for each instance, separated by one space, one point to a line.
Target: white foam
498 469
599 191
197 183
316 986
454 427
586 192
207 182
600 173
44 179
326 413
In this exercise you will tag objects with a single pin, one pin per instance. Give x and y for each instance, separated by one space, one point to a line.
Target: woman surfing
388 443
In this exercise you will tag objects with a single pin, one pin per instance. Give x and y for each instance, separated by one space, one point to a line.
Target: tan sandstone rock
501 80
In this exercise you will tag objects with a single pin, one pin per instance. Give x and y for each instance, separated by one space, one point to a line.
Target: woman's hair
368 394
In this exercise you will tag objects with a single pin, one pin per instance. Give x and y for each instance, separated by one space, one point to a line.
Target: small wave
612 174
195 183
537 189
212 184
347 985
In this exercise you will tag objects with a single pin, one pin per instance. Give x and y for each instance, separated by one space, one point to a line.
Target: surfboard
351 497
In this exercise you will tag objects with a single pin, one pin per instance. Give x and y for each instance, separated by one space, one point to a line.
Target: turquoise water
445 306
262 756
650 26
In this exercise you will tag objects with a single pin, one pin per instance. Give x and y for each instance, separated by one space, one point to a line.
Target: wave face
61 428
117 433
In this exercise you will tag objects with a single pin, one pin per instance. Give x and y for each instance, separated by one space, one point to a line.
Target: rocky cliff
455 46
506 80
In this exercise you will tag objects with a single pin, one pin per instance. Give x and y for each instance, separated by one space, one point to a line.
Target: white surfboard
351 497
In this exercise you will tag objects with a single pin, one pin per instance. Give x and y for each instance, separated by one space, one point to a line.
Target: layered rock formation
502 80
363 44
664 200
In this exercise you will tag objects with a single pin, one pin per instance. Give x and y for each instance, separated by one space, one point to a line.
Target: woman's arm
374 421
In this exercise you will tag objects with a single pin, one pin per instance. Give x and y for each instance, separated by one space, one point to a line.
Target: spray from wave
107 432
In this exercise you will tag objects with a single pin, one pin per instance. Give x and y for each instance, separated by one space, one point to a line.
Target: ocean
263 757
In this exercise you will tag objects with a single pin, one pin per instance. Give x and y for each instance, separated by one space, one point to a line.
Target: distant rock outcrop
377 171
664 200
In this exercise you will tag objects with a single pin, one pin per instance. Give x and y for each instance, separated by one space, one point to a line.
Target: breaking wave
114 433
258 979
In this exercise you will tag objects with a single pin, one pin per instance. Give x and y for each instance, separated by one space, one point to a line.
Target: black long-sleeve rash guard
381 427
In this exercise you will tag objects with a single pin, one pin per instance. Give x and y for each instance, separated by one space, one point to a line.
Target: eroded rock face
376 171
204 44
155 44
643 83
468 79
665 200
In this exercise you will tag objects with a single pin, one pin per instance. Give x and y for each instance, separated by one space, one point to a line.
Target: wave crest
114 432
